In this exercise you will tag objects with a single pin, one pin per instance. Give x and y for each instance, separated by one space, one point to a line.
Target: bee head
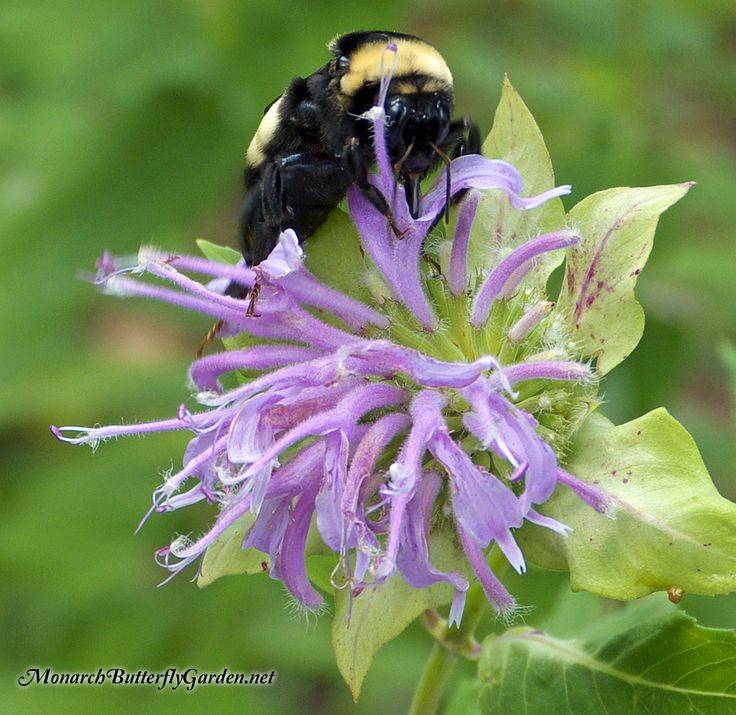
418 103
417 124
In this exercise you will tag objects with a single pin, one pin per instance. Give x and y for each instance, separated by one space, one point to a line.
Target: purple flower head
373 425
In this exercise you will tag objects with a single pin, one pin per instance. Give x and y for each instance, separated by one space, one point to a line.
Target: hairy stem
450 644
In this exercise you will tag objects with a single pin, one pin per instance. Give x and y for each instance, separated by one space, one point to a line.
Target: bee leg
357 170
296 191
462 138
272 194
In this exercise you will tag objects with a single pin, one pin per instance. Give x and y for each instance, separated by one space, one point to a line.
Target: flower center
521 327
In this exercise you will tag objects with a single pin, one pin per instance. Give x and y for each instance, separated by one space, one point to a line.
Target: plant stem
444 655
431 685
449 645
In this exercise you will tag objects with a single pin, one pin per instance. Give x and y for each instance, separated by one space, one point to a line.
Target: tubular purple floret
306 289
473 171
501 600
205 371
530 320
409 278
377 115
167 272
457 277
426 415
195 264
546 370
386 358
123 287
516 277
494 284
599 500
91 435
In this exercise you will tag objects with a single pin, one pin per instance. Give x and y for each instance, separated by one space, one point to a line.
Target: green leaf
666 665
226 557
381 613
215 252
671 529
464 699
617 230
335 256
515 137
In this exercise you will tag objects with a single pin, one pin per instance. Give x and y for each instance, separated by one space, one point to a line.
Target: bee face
417 124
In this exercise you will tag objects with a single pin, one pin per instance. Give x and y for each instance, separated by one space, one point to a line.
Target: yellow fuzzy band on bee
413 58
266 129
422 85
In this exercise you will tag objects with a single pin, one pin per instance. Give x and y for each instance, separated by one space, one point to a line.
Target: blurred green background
126 122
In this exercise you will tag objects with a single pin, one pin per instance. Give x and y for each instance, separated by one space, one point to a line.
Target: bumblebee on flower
363 419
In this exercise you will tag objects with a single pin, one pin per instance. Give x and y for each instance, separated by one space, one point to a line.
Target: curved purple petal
485 507
290 558
495 282
413 555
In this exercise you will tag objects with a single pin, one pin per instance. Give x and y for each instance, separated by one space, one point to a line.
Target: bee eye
343 64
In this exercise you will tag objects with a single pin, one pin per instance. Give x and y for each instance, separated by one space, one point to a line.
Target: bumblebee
313 143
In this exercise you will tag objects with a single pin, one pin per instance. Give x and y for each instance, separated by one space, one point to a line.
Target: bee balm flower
366 422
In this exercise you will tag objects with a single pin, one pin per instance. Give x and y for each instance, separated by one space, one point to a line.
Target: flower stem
431 685
450 644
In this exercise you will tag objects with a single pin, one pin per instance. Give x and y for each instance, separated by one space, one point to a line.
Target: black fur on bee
312 143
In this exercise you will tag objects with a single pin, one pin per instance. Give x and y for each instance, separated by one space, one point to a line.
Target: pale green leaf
617 231
381 613
334 255
215 252
671 528
226 557
515 137
662 665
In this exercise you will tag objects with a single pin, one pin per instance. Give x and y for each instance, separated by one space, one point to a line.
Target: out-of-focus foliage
126 122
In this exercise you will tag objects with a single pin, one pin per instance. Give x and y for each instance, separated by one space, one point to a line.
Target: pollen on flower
444 406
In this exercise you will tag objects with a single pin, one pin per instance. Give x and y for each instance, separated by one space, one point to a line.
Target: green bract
671 528
380 614
617 226
515 137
